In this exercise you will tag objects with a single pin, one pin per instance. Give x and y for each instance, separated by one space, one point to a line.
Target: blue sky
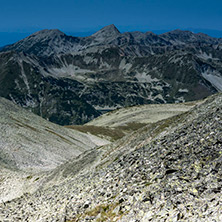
84 16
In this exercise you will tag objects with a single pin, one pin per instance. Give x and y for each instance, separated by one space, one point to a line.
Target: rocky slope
30 145
71 80
28 142
167 171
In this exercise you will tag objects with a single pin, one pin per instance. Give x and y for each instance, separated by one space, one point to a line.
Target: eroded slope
31 143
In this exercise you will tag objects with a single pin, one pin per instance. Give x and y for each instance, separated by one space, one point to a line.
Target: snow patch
158 87
71 71
203 55
144 77
125 66
88 60
107 107
159 96
104 65
178 60
183 90
180 100
24 77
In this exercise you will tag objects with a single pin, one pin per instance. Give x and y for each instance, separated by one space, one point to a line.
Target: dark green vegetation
111 134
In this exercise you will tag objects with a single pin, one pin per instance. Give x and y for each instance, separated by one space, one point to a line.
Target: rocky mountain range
168 170
71 80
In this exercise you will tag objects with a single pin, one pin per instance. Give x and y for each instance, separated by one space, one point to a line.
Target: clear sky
76 16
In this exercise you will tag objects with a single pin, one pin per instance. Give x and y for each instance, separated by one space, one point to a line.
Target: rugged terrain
29 142
71 80
30 145
166 171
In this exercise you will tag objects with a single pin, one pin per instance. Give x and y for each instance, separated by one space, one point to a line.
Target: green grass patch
105 211
29 177
112 134
132 126
104 132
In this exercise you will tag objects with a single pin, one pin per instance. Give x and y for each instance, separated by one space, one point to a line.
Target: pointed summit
44 43
111 28
107 33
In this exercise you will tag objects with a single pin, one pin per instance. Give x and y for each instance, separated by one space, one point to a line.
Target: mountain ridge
107 71
109 32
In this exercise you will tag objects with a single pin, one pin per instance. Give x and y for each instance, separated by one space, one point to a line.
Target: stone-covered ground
169 171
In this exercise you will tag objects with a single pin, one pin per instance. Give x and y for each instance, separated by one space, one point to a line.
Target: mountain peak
111 27
107 32
42 43
48 32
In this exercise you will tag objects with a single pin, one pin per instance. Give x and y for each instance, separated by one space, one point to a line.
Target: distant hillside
141 114
118 123
71 80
